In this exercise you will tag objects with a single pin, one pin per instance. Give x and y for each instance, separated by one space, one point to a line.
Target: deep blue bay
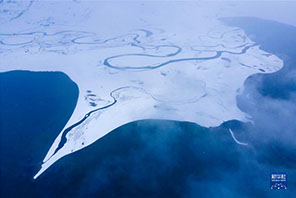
153 158
35 107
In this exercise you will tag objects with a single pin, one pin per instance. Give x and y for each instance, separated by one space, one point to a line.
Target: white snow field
134 61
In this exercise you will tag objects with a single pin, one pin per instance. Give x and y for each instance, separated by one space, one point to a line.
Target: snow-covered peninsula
134 61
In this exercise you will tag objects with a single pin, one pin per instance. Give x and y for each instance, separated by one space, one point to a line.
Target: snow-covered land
133 61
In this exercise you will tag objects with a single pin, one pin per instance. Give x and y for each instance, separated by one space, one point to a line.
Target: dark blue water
34 108
153 158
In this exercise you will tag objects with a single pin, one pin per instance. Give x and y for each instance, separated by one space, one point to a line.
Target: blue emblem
278 181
